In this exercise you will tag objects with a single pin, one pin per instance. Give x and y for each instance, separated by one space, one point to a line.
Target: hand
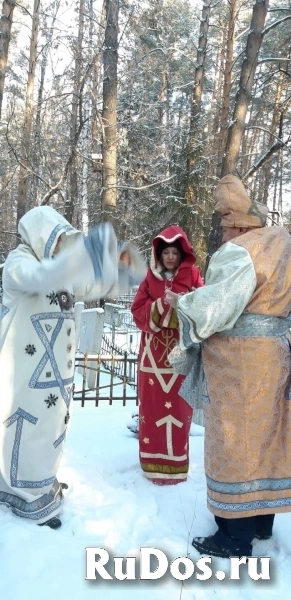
125 258
171 298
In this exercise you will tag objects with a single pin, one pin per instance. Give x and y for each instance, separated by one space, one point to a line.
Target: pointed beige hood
235 206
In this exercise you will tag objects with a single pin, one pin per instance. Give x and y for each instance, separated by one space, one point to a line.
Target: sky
111 505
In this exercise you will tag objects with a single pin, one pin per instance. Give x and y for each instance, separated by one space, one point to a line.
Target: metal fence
122 372
126 300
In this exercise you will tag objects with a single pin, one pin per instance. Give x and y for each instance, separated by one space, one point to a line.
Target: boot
221 545
53 523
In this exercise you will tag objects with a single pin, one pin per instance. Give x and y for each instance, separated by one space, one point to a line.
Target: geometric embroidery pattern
247 487
253 505
19 416
49 354
158 371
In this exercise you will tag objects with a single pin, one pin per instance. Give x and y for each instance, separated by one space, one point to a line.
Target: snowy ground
111 505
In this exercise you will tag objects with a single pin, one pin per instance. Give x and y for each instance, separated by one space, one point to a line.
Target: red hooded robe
164 417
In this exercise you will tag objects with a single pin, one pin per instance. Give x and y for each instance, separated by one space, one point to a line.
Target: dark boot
53 523
64 486
221 545
264 527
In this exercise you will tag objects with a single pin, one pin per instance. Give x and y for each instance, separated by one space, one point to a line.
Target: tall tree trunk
227 73
237 127
268 165
243 96
193 142
216 101
109 113
37 153
87 129
73 193
5 29
28 116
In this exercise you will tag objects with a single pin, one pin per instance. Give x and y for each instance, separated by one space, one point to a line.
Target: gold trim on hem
164 468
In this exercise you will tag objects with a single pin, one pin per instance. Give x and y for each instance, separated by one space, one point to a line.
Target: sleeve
104 251
197 279
23 273
152 315
230 284
89 267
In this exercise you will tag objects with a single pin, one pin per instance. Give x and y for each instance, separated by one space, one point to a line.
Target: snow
111 505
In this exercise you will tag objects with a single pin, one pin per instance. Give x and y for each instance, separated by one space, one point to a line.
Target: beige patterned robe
248 416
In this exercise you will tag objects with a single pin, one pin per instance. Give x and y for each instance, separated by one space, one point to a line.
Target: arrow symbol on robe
20 415
169 420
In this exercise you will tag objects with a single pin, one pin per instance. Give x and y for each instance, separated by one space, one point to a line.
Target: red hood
172 234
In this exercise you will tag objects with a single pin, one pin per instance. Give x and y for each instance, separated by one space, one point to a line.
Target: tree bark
268 165
73 192
227 73
237 127
28 115
190 188
37 151
109 113
5 30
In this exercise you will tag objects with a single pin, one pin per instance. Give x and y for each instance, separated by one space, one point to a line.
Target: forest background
130 111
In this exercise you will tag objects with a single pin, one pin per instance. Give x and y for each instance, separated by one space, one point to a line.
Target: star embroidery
146 440
168 404
141 419
51 400
52 298
30 349
151 382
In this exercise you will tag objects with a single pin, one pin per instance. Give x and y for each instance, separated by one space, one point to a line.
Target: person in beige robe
241 318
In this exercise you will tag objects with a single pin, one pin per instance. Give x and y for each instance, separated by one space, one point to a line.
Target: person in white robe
53 266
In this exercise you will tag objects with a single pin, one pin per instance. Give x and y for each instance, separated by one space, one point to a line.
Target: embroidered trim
39 509
247 487
244 506
164 468
53 235
95 242
165 475
60 439
166 456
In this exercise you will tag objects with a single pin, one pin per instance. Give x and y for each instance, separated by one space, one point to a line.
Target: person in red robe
164 416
